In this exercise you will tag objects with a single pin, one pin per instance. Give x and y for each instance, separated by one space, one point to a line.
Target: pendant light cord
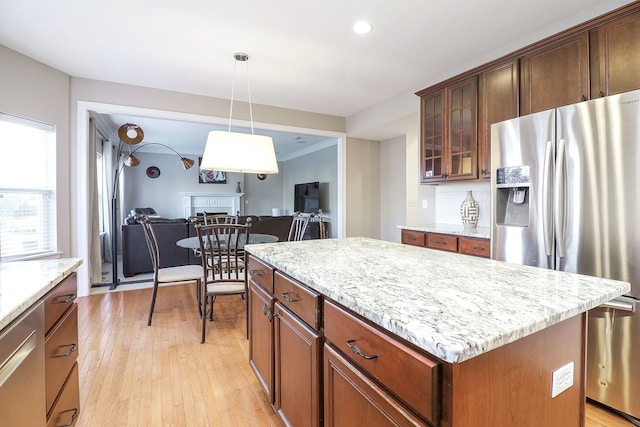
233 89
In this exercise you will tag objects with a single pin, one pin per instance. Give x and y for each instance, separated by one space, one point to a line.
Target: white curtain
95 262
108 161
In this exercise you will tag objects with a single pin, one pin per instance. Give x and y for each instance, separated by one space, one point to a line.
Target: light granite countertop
458 230
23 283
450 305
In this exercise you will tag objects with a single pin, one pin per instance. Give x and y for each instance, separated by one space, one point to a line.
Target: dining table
194 242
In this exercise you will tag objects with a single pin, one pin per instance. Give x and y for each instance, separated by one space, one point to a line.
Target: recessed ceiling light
361 27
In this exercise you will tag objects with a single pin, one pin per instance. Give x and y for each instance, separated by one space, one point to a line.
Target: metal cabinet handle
267 312
74 416
69 298
477 248
287 299
257 273
440 242
72 349
359 352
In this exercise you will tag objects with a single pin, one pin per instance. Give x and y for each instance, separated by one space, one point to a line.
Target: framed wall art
210 176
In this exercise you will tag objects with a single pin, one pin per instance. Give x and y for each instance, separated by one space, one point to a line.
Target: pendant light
239 152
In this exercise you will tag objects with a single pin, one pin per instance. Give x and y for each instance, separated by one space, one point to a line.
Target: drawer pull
441 243
267 312
477 248
257 273
69 298
359 352
287 299
72 349
74 416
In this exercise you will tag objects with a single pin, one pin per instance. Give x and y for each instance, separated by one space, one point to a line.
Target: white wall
33 90
362 188
393 184
449 197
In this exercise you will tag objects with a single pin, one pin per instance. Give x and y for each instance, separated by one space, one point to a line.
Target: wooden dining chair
183 273
223 263
299 226
220 219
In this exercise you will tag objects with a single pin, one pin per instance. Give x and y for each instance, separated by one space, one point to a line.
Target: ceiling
303 55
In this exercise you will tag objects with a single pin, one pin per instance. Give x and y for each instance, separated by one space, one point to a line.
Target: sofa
135 254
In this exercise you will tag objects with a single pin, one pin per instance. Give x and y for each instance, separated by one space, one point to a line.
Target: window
27 188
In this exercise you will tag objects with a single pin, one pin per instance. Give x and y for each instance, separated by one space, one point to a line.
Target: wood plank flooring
135 375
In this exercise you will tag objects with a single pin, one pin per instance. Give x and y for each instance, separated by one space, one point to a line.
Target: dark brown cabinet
615 56
555 75
448 143
448 242
497 101
261 336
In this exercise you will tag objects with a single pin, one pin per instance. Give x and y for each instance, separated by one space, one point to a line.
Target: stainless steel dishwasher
22 386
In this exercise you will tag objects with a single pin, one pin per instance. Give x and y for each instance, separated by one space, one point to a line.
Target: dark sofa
135 254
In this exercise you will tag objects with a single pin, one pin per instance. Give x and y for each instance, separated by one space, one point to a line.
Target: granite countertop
23 283
459 230
450 305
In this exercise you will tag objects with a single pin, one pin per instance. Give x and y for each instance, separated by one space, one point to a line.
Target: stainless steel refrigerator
565 194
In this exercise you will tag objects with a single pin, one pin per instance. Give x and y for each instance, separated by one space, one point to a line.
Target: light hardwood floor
135 375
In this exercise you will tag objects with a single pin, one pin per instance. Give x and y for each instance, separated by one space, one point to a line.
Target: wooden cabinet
497 101
285 344
448 143
448 242
556 75
352 399
615 56
260 325
61 353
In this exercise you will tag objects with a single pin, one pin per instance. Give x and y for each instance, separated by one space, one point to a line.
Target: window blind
27 188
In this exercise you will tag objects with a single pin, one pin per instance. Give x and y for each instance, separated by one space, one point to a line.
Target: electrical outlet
424 203
562 379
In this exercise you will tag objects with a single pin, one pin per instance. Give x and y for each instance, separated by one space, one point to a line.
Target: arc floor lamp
129 135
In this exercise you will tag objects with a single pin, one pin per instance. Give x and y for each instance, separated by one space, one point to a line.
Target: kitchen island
483 337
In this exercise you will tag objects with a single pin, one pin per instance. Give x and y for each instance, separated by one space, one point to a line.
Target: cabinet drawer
442 242
67 408
411 237
352 399
261 273
303 302
478 247
58 300
406 373
60 354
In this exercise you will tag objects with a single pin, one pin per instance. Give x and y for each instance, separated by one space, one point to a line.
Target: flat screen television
306 197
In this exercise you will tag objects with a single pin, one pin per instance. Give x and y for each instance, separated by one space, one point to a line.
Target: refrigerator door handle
547 228
559 199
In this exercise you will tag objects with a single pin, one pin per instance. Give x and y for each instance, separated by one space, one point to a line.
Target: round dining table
194 242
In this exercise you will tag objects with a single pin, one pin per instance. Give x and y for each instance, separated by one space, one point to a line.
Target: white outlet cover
561 379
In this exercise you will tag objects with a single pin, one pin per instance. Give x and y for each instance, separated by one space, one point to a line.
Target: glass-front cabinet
448 143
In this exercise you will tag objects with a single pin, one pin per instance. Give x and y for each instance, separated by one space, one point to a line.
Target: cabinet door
498 101
556 75
432 137
351 399
615 56
261 336
462 108
297 369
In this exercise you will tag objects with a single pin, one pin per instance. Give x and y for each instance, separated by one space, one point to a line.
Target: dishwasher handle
620 304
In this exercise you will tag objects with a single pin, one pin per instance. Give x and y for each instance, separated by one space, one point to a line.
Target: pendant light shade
239 152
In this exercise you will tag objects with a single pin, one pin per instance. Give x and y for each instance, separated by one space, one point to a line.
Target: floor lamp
130 135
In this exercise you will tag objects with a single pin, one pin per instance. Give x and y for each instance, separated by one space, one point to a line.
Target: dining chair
182 273
299 226
220 219
223 263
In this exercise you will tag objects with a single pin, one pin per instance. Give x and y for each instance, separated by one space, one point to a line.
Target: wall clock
153 172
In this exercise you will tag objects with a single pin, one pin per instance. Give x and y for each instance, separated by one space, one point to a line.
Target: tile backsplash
450 196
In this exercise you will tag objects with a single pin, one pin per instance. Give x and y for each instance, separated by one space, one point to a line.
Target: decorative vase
469 211
238 189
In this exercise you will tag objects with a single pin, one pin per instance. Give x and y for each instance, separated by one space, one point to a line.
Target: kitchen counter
458 230
23 283
452 306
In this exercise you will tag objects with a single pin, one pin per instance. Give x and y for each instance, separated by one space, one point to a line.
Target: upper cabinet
615 56
449 132
498 101
596 58
555 75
